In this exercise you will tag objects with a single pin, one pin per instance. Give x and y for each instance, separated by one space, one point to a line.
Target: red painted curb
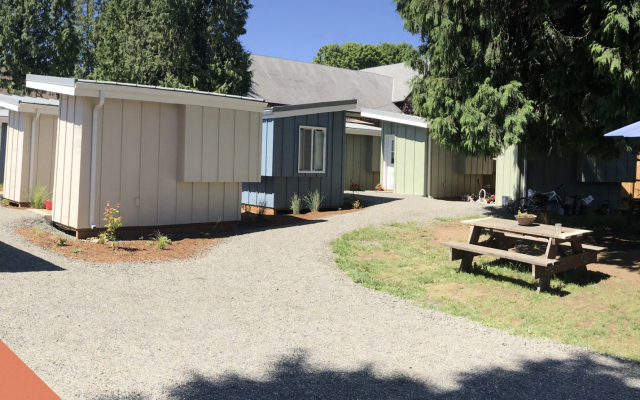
18 381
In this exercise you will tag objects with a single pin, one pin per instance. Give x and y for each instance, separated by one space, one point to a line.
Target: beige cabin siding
18 154
139 148
233 138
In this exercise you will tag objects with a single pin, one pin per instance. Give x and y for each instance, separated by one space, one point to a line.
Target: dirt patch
448 231
125 251
622 264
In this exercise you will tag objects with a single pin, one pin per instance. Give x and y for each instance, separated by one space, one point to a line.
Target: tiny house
411 162
303 150
30 138
173 159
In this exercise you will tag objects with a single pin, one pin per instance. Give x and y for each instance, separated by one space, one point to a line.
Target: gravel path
268 315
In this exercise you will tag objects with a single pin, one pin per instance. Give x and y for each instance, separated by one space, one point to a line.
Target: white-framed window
312 154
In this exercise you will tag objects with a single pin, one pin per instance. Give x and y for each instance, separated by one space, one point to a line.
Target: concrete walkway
268 315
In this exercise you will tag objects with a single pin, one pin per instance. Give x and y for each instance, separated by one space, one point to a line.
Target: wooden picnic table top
536 230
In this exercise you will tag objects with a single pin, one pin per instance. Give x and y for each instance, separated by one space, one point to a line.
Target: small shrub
76 251
38 195
262 209
37 231
314 200
5 201
141 238
356 188
61 241
356 205
102 238
161 240
295 204
113 222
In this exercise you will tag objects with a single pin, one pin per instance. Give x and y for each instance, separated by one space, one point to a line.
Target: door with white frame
389 161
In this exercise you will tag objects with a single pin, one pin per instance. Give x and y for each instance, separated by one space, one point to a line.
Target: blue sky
296 29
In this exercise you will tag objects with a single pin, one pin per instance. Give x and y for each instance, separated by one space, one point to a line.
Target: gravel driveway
268 315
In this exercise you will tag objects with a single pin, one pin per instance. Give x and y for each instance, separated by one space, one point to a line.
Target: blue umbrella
632 130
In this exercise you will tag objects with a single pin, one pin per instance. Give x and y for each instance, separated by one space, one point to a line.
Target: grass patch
407 260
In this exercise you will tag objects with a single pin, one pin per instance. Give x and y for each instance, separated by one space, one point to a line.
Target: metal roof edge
412 120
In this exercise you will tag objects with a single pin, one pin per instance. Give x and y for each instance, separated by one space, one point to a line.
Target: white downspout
429 166
94 153
33 148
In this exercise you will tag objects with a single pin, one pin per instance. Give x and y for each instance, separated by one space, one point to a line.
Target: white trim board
321 108
324 149
114 90
395 117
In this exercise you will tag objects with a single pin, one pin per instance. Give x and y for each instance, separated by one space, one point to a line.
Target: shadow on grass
16 260
293 377
574 277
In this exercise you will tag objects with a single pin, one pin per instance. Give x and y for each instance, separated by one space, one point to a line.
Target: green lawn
406 260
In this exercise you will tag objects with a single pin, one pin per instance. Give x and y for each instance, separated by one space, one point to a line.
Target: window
312 155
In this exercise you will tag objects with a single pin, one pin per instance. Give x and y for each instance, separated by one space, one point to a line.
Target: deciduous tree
359 56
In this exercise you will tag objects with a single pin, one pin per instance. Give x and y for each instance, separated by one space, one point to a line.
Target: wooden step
458 249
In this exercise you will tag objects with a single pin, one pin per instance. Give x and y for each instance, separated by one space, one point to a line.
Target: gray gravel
268 315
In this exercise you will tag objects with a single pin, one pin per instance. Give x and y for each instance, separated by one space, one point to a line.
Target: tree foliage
548 74
359 56
37 37
190 44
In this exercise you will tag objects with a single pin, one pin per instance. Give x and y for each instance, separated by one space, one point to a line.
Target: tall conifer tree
190 44
553 75
38 37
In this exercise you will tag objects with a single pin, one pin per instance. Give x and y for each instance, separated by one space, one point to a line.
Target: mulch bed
125 251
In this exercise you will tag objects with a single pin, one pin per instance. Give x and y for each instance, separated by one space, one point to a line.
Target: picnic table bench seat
458 249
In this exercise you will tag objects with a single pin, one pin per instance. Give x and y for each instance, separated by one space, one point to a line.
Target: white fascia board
168 96
9 106
32 108
51 87
397 118
306 111
364 132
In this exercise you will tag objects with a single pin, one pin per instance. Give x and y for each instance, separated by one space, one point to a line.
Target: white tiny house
29 155
171 158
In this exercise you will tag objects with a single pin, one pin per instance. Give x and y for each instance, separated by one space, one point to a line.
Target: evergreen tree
360 56
549 74
88 12
191 44
38 37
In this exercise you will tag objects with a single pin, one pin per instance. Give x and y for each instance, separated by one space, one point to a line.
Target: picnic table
504 233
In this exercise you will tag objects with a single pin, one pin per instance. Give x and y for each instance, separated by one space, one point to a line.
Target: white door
389 161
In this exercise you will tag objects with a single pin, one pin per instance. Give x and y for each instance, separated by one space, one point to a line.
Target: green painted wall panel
358 162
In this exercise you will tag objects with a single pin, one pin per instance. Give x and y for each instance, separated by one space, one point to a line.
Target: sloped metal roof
401 75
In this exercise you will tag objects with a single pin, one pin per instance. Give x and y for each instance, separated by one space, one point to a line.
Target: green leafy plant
295 204
75 251
161 240
379 187
102 238
5 201
313 200
38 195
525 214
37 231
356 205
61 241
113 222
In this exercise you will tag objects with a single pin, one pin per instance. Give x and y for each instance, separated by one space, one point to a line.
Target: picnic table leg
576 248
467 259
552 252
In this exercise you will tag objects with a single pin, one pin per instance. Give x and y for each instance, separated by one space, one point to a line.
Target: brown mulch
125 251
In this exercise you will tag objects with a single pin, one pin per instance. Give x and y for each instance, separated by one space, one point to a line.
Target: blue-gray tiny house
302 151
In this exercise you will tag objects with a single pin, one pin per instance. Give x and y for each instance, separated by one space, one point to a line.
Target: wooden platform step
458 249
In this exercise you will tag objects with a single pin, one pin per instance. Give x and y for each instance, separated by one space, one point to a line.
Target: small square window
313 147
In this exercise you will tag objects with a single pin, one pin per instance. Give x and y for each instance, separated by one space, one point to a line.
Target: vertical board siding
446 180
149 163
591 169
68 161
410 153
210 142
255 147
193 140
131 162
111 154
3 150
280 150
56 213
226 145
508 175
167 182
358 169
241 147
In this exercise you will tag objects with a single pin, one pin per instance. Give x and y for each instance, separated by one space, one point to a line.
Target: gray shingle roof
280 81
401 75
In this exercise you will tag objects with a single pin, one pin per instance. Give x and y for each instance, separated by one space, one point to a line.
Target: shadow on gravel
15 260
294 378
